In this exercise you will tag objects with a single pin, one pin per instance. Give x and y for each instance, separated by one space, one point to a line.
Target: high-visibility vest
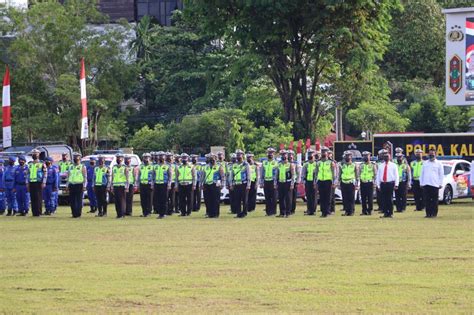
211 174
64 166
185 173
146 173
239 173
348 172
173 172
367 172
253 172
268 169
101 176
76 176
325 170
161 173
402 172
284 172
131 175
119 178
310 167
416 167
36 172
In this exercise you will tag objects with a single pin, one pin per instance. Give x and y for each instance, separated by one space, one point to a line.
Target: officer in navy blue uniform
51 187
9 180
90 185
3 205
22 196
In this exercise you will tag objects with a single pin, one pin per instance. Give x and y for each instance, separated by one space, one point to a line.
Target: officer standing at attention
333 189
416 167
36 181
51 187
325 176
286 180
186 185
212 181
101 183
228 183
431 179
404 184
254 179
172 196
268 182
240 184
309 180
163 185
21 190
349 183
146 182
387 181
197 192
3 205
120 183
132 175
9 180
90 185
77 183
368 170
297 180
64 164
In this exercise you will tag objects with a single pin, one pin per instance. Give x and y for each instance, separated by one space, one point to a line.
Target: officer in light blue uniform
90 184
22 195
58 181
51 187
9 180
3 205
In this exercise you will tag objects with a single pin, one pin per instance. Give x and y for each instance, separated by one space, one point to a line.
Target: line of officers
171 183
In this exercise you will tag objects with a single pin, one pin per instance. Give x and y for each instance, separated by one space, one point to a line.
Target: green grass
258 264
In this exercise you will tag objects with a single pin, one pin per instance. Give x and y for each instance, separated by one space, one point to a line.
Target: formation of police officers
171 183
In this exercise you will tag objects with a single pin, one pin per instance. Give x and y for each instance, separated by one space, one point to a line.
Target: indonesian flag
317 145
84 122
6 111
308 144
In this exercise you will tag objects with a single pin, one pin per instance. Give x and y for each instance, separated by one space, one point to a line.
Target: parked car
457 181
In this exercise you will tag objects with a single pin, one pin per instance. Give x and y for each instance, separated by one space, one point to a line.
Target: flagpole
6 110
84 120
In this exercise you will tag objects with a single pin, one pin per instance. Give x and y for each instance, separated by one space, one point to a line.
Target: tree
306 48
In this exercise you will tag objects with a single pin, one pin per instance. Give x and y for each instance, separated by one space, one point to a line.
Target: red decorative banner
455 74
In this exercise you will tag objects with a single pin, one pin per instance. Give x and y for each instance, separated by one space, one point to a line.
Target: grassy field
258 264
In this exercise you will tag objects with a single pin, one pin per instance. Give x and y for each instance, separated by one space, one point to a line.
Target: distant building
23 4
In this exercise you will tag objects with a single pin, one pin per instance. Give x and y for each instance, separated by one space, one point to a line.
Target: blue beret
49 159
22 157
93 158
12 159
2 161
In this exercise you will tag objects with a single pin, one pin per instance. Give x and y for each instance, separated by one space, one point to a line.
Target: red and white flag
84 121
6 111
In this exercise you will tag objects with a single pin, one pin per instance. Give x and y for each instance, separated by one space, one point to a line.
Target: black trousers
348 200
401 196
211 200
386 198
232 201
431 200
418 195
240 199
332 201
75 199
185 193
160 200
284 198
324 192
36 196
146 198
270 197
294 194
172 204
310 192
120 200
367 197
129 200
197 198
101 195
252 197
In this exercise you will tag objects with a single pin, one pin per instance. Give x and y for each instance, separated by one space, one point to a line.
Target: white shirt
432 174
392 173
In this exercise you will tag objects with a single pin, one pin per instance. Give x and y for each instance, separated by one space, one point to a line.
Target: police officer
77 183
211 183
21 190
297 181
146 182
325 176
333 189
380 161
268 182
309 179
186 181
199 174
349 183
232 161
222 163
172 196
416 167
64 164
120 184
286 180
240 184
51 187
404 185
101 183
132 175
163 185
368 171
254 179
90 185
9 180
3 205
35 182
